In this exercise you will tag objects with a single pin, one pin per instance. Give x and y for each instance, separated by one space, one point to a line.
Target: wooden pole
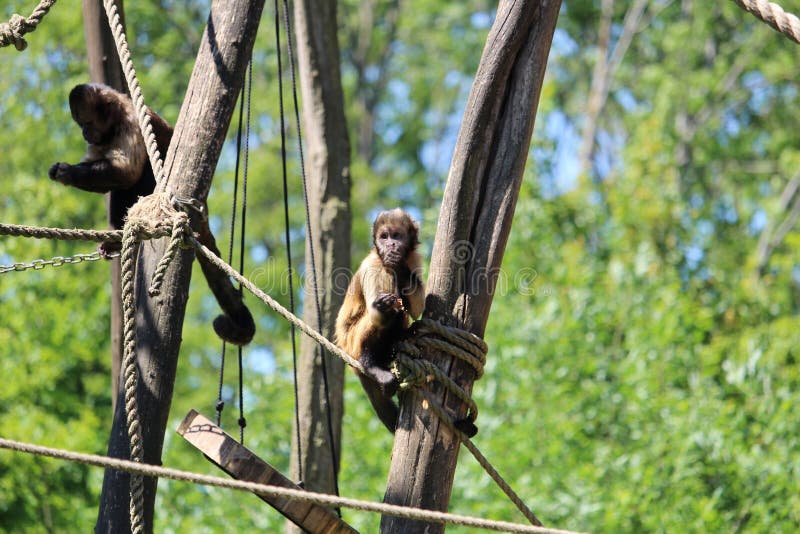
474 224
328 183
105 67
192 157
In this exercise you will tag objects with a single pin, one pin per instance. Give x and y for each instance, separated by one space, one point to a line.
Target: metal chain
56 261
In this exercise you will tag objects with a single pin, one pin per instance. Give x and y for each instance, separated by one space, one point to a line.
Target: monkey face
394 234
95 126
91 112
391 243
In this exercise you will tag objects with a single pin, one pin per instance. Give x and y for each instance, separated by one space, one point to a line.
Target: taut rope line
273 491
774 15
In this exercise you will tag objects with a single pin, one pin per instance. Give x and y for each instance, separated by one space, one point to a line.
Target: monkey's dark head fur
395 235
99 110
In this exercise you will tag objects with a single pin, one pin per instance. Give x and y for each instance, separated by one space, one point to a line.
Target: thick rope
17 26
459 343
774 15
118 30
180 226
64 234
272 303
144 218
142 469
413 372
130 241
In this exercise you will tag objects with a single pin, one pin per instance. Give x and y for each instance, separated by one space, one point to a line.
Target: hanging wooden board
242 464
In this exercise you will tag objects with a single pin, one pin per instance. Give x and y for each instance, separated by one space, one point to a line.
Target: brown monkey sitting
116 162
385 292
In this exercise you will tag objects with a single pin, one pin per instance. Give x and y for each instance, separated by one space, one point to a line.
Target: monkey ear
77 97
414 231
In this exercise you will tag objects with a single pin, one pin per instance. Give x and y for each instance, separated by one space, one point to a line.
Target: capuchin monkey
116 162
384 294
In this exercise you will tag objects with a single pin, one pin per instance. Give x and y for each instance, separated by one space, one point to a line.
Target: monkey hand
109 249
389 303
60 172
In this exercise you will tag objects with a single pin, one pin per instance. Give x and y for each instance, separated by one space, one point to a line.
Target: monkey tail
384 406
236 325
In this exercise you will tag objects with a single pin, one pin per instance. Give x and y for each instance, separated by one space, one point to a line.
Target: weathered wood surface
327 167
474 224
190 162
242 464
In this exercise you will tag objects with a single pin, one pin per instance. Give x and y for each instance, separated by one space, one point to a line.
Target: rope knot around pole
413 371
151 217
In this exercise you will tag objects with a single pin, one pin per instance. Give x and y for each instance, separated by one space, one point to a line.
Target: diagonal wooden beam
243 464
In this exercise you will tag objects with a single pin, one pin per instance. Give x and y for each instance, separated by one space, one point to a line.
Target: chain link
57 261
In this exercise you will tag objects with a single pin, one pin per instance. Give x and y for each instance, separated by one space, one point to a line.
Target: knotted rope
461 344
17 26
153 216
414 373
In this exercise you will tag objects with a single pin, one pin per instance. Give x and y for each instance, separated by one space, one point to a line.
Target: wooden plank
242 464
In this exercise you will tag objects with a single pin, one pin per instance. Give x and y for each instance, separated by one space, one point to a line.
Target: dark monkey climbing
116 162
384 294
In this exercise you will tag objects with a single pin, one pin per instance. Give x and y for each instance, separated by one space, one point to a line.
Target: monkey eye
384 235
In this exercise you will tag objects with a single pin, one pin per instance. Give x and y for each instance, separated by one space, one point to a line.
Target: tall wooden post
196 144
104 67
328 171
475 219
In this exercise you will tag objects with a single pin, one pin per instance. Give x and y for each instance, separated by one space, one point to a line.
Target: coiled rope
413 372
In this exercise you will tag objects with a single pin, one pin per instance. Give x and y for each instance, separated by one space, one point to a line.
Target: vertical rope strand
131 376
118 31
232 230
242 420
290 274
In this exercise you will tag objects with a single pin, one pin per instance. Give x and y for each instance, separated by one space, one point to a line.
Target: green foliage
642 373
